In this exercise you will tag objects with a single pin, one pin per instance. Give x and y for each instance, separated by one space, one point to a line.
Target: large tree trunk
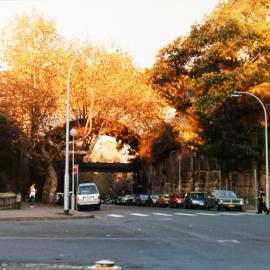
23 168
50 186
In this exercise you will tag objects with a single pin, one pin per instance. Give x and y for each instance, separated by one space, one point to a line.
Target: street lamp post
237 94
66 178
179 173
73 133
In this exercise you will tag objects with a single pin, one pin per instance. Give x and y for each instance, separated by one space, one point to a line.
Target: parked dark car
199 200
176 201
118 200
227 199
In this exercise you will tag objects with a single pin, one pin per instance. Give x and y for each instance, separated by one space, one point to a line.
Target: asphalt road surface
140 238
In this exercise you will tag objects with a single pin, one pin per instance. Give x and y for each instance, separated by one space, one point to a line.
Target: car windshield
87 190
226 194
197 196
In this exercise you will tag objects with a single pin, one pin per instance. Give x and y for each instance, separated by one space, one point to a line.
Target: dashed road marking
228 241
185 214
162 214
114 215
232 214
139 215
207 214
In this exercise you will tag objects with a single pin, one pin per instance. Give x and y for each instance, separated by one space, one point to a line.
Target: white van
88 195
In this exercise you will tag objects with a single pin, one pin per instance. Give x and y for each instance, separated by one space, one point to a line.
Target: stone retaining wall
10 201
181 174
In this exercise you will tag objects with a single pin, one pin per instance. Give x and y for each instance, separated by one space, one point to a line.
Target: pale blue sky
140 27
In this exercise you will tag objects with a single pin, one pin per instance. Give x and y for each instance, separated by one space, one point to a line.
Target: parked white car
88 196
154 199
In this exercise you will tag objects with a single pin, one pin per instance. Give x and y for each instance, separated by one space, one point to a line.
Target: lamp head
73 132
235 94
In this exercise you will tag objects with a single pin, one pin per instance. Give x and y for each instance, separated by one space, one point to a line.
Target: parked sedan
129 199
141 200
176 201
163 200
198 200
118 200
154 199
227 199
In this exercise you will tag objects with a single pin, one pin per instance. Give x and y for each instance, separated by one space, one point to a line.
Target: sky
140 27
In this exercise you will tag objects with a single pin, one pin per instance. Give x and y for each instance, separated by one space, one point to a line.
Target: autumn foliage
109 96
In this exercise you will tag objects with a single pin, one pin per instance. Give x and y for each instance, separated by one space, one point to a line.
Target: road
140 238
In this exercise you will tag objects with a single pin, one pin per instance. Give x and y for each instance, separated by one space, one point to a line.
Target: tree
231 137
159 143
9 152
33 53
229 51
107 85
108 95
33 82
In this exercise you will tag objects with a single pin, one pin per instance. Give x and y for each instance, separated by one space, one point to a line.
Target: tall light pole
73 133
179 173
237 94
66 178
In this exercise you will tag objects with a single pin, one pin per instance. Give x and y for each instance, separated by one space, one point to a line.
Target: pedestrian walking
32 195
262 203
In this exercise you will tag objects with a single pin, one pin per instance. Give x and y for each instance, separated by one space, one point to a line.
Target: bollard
18 200
18 197
105 264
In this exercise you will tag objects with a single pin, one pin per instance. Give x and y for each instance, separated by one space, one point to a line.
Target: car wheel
97 207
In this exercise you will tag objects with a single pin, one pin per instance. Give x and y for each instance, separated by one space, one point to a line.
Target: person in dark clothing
262 203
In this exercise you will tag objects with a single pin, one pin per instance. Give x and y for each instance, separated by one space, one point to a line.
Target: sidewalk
41 212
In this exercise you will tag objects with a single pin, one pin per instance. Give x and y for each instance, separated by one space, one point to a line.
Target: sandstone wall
188 172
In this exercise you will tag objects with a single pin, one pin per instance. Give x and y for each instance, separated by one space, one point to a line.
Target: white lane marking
232 214
230 241
207 214
114 215
185 214
77 238
139 215
162 214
